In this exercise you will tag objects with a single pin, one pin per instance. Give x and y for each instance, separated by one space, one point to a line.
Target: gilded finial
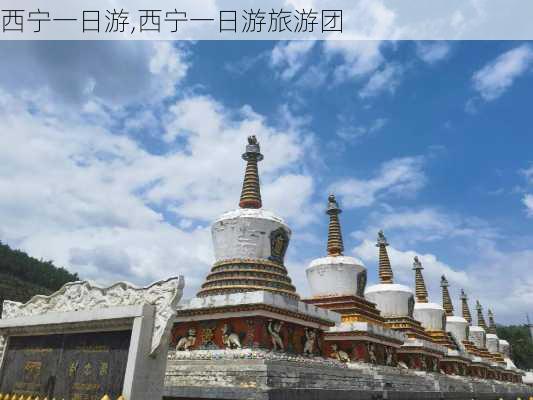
465 308
121 398
492 323
106 397
420 286
385 270
446 299
251 191
480 318
335 244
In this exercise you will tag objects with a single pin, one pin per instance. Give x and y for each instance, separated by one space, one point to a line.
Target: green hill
22 276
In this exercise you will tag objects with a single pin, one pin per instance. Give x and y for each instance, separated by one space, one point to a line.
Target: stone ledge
193 393
259 297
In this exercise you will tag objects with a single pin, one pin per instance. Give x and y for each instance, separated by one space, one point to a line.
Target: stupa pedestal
251 320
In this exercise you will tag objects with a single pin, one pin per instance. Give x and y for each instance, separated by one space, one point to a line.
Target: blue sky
116 156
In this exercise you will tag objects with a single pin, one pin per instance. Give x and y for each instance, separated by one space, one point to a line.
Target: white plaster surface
457 326
477 336
391 299
528 378
429 315
245 233
493 343
334 276
505 348
415 342
261 297
367 327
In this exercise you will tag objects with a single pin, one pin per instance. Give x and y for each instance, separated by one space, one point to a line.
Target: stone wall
258 379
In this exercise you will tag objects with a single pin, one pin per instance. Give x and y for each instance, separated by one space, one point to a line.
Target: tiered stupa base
455 361
362 336
419 351
255 320
351 308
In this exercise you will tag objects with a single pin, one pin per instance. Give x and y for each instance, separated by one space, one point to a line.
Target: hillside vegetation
22 276
521 344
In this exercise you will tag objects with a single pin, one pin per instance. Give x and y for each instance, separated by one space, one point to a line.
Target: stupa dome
458 326
392 299
334 276
245 233
430 315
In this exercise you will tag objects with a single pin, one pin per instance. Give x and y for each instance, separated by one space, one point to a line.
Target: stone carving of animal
310 340
388 356
274 328
371 354
340 355
186 342
231 339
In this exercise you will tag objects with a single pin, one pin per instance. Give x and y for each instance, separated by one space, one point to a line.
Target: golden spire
466 310
251 192
480 318
446 300
385 270
335 245
420 286
492 324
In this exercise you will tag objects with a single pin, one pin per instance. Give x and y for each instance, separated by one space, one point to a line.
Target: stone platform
261 375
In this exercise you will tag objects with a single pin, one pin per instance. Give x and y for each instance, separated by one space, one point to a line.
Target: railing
15 396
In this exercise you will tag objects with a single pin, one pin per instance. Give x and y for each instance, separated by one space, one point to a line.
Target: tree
521 344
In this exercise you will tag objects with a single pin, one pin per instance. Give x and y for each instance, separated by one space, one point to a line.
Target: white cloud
400 177
413 226
496 77
348 131
528 173
359 57
205 124
528 202
386 79
432 52
290 57
133 71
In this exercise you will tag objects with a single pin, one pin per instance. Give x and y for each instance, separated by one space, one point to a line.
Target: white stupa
249 242
336 274
478 333
392 299
430 315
